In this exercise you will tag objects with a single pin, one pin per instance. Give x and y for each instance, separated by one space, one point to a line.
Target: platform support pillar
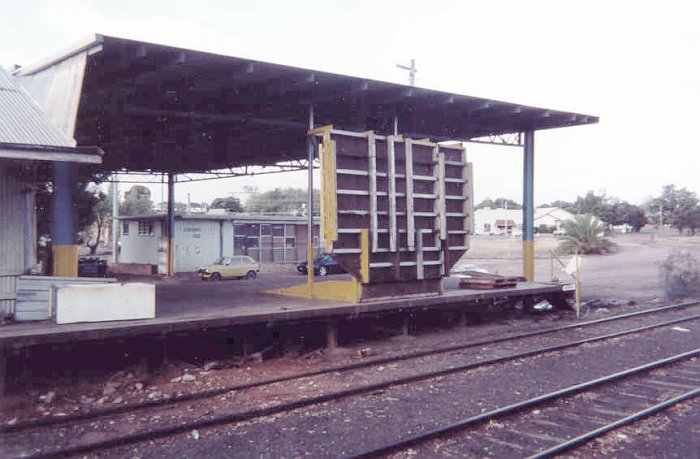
529 207
463 320
404 327
65 251
331 335
170 270
310 204
245 346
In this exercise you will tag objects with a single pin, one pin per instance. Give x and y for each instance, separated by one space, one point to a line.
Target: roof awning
84 155
160 108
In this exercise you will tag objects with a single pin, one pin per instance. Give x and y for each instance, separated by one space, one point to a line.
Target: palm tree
585 234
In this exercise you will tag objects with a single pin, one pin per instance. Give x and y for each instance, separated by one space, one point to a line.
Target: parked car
92 267
228 267
559 232
323 265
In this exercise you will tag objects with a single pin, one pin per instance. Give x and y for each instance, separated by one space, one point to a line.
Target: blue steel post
65 251
171 225
310 205
529 206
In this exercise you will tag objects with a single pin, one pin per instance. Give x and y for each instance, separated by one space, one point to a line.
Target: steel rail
334 396
55 421
616 424
516 407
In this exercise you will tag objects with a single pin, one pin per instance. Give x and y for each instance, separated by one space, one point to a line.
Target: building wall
17 233
201 241
486 219
227 237
139 248
197 243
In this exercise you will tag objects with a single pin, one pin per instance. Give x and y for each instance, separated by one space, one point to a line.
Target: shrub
584 234
680 274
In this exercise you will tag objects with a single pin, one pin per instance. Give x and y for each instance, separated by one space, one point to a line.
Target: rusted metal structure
396 212
161 109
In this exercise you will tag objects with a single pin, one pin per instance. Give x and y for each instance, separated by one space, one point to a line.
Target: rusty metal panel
414 197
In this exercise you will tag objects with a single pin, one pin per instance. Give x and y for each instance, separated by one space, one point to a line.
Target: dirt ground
632 272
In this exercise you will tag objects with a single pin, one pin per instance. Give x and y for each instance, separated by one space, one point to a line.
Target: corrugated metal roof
21 119
161 108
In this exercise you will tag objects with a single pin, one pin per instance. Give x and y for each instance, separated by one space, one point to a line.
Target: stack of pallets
485 281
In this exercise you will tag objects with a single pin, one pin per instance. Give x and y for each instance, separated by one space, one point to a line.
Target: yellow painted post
364 255
65 260
578 288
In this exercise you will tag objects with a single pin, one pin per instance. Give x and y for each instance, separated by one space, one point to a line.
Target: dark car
323 265
92 267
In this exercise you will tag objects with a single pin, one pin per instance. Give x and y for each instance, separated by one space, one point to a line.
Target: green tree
566 205
585 235
593 204
622 212
101 217
690 220
231 204
137 201
677 206
499 203
289 201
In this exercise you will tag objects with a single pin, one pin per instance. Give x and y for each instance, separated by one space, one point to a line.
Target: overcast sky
634 64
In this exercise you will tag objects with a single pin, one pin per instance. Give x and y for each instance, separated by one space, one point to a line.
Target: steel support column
529 206
115 219
65 251
170 270
310 203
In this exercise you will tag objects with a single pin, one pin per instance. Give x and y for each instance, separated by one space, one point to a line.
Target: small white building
509 221
201 239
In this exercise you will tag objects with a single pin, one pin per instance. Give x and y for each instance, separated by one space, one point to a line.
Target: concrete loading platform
187 307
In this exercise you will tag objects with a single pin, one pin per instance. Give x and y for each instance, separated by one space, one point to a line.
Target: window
487 227
125 228
277 230
265 230
146 228
290 242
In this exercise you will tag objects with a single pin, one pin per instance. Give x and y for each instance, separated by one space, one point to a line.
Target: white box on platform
102 303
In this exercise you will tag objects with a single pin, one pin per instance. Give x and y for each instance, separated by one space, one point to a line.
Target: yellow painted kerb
347 291
65 260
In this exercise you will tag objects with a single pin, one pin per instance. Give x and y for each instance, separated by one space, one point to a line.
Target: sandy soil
632 272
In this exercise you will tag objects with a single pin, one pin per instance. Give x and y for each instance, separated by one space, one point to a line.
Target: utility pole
411 71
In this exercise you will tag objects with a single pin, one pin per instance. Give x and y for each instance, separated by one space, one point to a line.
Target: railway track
205 418
579 414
